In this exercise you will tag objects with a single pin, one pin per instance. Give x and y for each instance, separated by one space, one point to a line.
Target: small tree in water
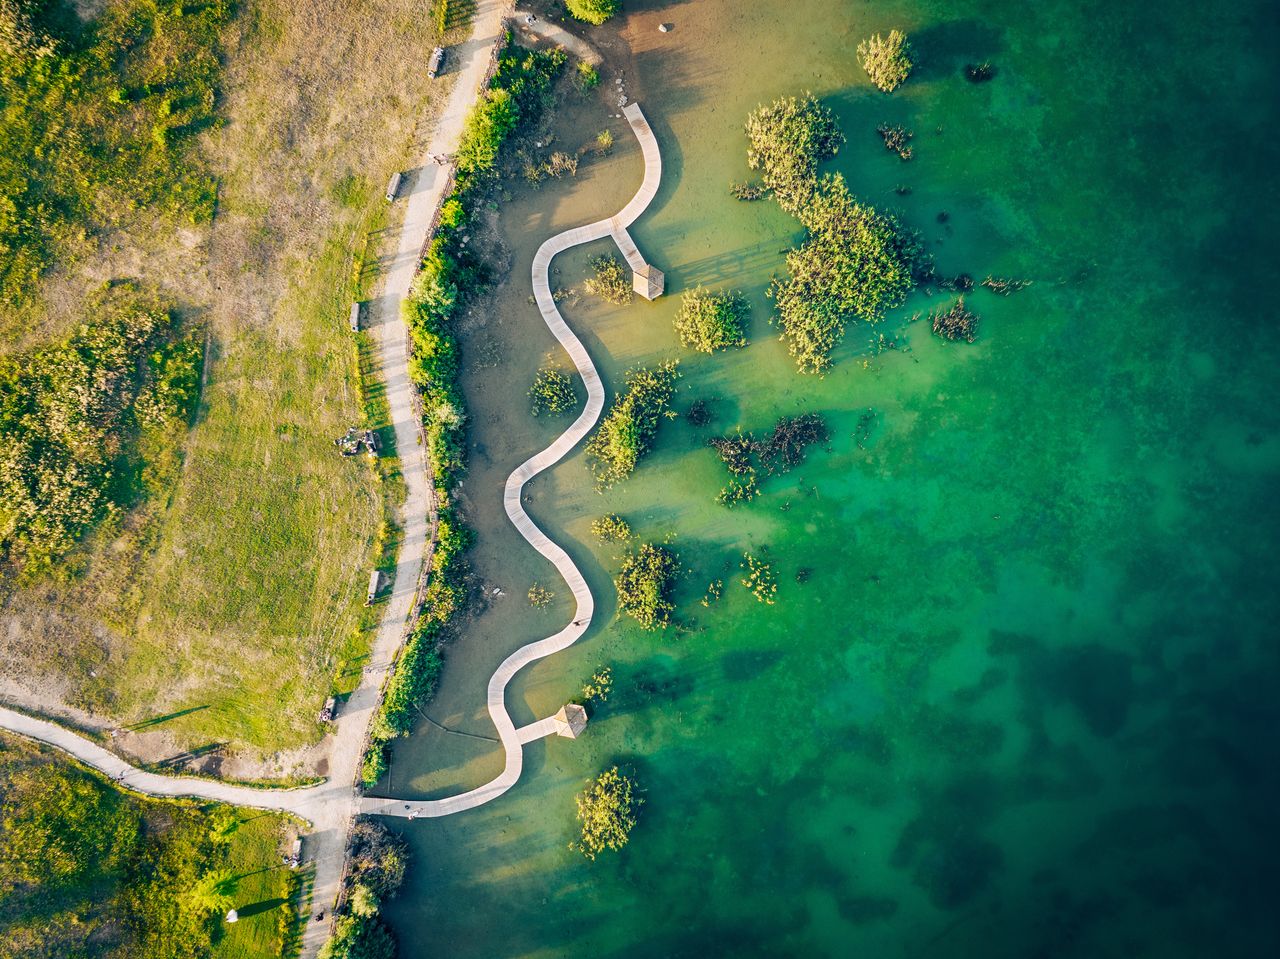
607 811
887 60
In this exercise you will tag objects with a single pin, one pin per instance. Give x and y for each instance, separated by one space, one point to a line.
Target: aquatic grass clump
887 60
553 393
611 282
956 323
644 585
786 141
627 432
607 811
712 321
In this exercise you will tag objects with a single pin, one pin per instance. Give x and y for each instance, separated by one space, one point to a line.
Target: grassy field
233 608
89 870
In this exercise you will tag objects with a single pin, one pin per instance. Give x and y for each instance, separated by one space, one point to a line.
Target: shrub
75 415
627 432
887 60
604 142
786 141
612 282
711 321
593 11
357 937
587 76
553 392
644 584
607 811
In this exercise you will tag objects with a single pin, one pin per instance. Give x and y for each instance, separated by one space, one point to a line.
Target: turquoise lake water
1025 703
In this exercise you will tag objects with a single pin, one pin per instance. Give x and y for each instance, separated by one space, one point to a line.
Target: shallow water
1024 705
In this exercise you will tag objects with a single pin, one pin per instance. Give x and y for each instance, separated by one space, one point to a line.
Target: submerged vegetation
100 125
90 423
855 262
747 457
897 139
611 282
607 811
553 392
644 585
712 321
627 432
887 60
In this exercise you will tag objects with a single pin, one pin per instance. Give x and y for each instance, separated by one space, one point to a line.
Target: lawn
89 870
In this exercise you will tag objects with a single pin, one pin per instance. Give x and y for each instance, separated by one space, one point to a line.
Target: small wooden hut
571 721
648 281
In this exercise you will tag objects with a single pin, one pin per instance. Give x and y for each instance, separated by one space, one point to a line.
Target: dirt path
513 739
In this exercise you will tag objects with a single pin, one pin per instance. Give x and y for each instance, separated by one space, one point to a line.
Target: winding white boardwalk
513 739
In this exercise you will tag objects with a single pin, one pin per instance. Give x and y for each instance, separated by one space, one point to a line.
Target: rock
664 28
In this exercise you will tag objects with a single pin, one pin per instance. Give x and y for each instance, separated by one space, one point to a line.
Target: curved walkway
560 36
513 739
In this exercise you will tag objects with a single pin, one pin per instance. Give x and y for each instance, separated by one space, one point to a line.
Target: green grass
93 871
268 540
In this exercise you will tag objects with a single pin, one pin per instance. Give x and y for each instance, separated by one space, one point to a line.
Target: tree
711 321
214 892
363 901
358 937
377 857
593 11
644 585
607 811
785 141
887 60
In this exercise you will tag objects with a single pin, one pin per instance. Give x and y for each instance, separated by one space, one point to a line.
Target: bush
887 60
627 432
712 321
75 416
607 811
612 281
587 76
644 585
593 11
553 392
786 141
358 937
856 262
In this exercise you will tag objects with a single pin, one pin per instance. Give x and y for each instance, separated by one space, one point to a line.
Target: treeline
855 263
449 274
88 424
98 123
376 862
